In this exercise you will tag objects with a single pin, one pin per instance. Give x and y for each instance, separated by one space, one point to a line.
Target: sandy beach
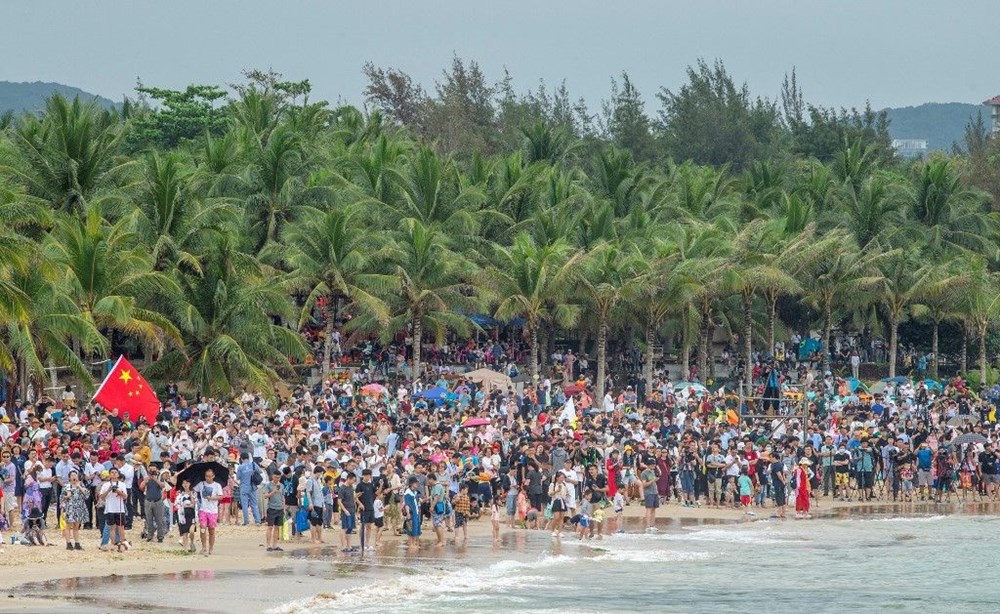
241 577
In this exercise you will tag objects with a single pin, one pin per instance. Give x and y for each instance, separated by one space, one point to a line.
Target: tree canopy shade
219 231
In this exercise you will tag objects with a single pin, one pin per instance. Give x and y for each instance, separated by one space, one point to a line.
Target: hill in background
20 97
940 123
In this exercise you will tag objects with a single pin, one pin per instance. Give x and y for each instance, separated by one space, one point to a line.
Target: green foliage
182 230
165 118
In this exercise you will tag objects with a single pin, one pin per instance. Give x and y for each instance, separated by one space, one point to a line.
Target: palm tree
671 285
527 279
839 278
612 274
899 286
335 256
951 213
980 305
226 321
68 157
430 286
939 301
277 185
872 209
170 220
110 277
755 267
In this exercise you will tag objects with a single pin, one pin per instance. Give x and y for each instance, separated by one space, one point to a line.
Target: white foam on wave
901 519
653 556
432 586
732 535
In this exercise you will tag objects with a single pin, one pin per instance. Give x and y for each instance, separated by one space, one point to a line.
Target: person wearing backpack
249 478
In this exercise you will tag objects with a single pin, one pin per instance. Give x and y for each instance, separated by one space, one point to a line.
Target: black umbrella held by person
196 473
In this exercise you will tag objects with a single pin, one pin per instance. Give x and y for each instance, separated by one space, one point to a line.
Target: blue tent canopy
434 393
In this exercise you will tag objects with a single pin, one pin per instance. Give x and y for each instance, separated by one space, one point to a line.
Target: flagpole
108 376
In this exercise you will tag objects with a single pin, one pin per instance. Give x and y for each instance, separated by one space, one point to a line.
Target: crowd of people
367 456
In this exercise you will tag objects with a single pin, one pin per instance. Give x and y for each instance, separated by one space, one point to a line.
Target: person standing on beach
274 494
802 488
559 495
113 495
210 493
347 501
779 479
187 514
245 475
438 506
365 491
650 498
411 512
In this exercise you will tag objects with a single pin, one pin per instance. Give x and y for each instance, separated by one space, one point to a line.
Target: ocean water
928 563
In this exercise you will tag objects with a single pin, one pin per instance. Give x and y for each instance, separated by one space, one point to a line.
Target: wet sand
243 578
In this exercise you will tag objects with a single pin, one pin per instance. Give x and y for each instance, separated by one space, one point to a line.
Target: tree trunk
685 348
934 349
533 360
982 356
602 348
704 339
747 300
647 370
546 355
772 308
418 333
827 332
963 361
329 313
54 376
893 341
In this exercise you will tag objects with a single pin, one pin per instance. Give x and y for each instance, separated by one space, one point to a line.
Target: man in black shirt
598 485
366 496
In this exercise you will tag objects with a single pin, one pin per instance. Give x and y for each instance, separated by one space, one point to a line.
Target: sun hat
805 461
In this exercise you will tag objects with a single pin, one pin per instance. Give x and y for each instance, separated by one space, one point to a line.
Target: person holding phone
114 495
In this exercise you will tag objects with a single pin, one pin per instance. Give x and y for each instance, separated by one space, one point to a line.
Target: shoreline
155 577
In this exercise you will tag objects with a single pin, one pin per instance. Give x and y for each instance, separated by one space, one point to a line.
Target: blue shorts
347 523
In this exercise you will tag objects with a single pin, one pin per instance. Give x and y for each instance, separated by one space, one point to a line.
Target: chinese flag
128 392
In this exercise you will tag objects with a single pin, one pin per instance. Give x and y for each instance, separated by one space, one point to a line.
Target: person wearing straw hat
802 487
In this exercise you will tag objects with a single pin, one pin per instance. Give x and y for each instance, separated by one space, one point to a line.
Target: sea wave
424 587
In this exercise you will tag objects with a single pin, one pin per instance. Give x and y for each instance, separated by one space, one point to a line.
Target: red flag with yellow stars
127 391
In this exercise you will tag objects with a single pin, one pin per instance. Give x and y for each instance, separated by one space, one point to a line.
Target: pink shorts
208 519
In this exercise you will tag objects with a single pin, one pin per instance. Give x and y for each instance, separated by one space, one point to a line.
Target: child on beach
619 505
585 516
461 506
745 485
495 519
378 514
906 478
33 528
522 509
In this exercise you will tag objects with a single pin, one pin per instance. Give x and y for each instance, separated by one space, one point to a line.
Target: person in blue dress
411 512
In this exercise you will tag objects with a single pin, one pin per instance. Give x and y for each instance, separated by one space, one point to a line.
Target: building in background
910 148
994 104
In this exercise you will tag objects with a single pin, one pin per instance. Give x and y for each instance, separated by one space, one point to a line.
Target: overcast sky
893 52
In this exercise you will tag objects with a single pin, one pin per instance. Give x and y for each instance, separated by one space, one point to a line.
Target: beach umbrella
857 384
967 438
196 473
899 379
374 390
474 422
